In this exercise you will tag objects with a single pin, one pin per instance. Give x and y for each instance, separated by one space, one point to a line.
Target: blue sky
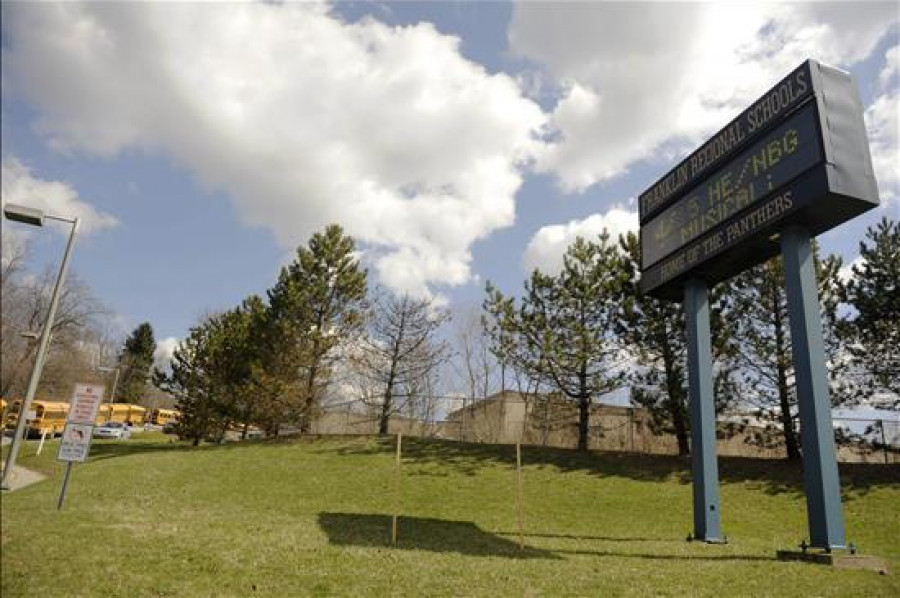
458 142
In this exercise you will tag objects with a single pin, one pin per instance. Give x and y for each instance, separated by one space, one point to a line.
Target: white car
117 430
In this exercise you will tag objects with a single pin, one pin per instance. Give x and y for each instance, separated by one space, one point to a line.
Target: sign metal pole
820 472
707 520
65 486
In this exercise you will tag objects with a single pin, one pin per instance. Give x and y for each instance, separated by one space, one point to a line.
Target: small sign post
76 440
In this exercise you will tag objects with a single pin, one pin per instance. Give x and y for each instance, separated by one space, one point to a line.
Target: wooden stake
43 437
519 500
396 489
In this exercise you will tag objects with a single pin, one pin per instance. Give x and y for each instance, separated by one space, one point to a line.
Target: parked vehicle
115 430
122 412
49 417
161 417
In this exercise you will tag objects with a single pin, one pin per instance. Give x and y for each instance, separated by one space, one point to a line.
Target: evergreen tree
135 362
564 331
190 381
874 333
764 340
316 304
234 355
655 333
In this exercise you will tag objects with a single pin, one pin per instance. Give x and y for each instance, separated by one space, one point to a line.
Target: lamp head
17 213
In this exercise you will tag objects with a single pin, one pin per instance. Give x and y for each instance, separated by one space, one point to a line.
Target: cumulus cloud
891 65
19 185
846 272
884 140
640 80
302 118
547 246
162 355
883 124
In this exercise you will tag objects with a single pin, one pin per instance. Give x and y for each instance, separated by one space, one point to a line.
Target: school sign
798 155
795 164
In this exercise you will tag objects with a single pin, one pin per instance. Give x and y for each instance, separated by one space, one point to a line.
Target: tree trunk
306 419
584 416
676 407
385 417
787 422
679 421
584 410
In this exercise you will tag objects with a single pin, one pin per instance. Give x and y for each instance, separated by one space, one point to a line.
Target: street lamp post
112 395
36 217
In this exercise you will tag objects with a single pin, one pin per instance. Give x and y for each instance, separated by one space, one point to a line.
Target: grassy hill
149 517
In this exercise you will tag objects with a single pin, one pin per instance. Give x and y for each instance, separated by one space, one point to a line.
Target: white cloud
891 65
162 355
19 186
883 122
639 80
846 271
547 246
302 118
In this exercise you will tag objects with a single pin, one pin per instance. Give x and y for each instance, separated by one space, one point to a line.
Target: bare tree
473 361
78 317
401 351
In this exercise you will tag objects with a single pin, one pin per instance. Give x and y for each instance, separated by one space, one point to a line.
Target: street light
36 217
112 395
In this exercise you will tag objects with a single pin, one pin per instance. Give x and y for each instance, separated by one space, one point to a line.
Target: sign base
838 561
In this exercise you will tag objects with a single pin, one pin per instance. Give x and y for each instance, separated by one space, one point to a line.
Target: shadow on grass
773 476
583 537
124 448
417 533
668 557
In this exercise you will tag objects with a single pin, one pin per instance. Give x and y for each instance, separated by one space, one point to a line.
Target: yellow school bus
161 417
125 413
49 417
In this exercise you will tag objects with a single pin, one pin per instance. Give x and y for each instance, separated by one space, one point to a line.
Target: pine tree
764 341
564 328
874 294
654 331
190 381
135 362
316 304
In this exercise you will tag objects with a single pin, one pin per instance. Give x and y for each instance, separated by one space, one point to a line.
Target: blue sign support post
707 518
792 165
820 472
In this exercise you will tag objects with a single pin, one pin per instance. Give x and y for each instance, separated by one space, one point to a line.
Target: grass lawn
149 517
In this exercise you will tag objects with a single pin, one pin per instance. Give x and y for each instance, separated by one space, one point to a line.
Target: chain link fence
508 419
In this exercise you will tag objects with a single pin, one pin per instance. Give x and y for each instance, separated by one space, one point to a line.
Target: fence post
884 446
631 429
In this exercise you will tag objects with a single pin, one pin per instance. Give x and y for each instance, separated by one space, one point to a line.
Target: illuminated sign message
798 156
778 157
789 93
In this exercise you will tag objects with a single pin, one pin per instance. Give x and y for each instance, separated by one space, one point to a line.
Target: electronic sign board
798 155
